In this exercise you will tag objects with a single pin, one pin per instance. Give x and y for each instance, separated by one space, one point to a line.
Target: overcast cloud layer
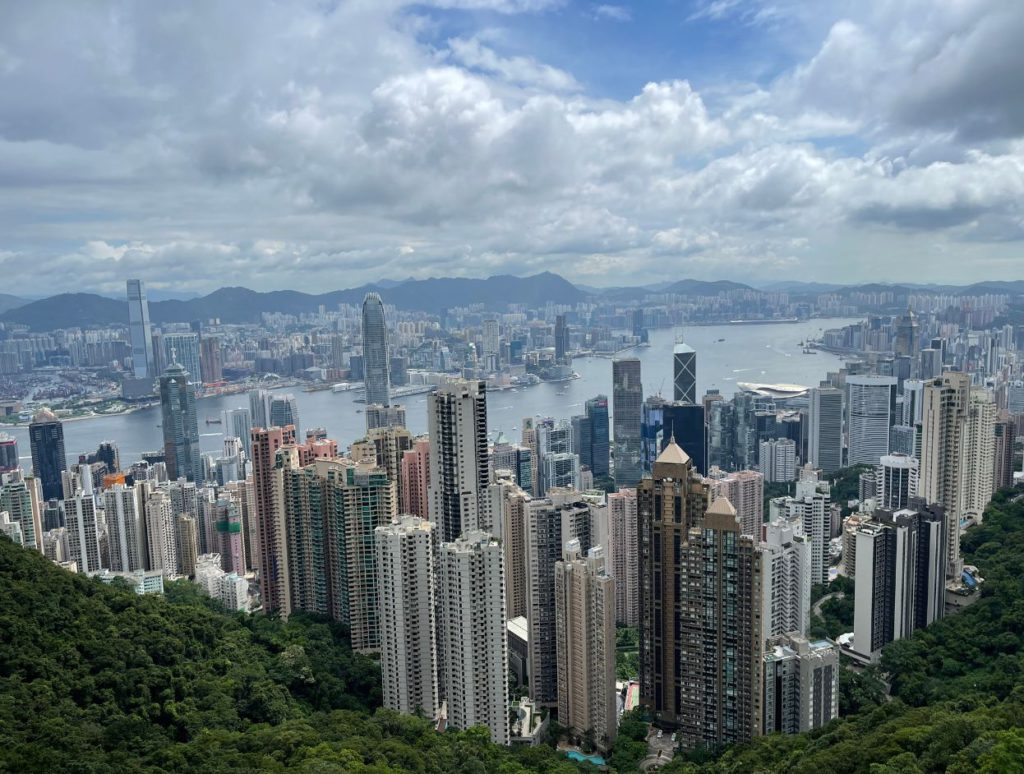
322 145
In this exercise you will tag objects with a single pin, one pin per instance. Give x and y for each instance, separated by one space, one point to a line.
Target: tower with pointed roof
700 607
669 503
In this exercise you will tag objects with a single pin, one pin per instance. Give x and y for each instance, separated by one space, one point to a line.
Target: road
816 607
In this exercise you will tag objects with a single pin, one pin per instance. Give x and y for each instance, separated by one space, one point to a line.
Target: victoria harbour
726 354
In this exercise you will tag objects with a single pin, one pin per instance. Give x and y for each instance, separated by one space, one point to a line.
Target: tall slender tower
585 631
376 365
622 548
475 661
550 524
83 532
978 450
270 556
627 408
943 425
46 437
408 646
123 508
459 468
669 503
180 425
722 640
825 433
139 331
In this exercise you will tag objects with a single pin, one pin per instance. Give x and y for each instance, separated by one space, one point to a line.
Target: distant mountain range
8 302
241 305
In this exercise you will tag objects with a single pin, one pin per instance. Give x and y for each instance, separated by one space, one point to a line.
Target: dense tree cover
627 653
96 679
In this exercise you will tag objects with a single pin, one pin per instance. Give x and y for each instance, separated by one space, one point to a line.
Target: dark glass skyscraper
590 436
627 402
46 436
180 425
376 366
683 421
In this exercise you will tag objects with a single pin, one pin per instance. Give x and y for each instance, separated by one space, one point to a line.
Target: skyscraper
331 508
269 556
900 579
669 503
622 549
550 524
46 437
561 339
801 685
283 410
376 363
684 373
211 360
585 633
721 645
896 481
745 490
786 598
183 348
475 643
408 644
777 460
663 421
825 432
237 423
21 498
871 411
943 425
459 468
415 479
1002 471
979 445
83 532
125 534
8 453
627 408
139 331
161 539
259 407
384 416
597 416
905 343
180 424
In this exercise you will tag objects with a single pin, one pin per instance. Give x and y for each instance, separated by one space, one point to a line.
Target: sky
325 144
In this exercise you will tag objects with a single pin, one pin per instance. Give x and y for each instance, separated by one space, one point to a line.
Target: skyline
713 140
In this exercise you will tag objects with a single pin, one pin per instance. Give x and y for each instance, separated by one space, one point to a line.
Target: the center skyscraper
376 363
459 466
627 411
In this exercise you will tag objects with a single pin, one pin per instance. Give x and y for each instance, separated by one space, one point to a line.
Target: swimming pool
576 755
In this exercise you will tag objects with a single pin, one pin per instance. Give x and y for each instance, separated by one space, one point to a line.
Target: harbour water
726 354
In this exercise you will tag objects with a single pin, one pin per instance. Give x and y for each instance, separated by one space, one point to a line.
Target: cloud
314 146
519 70
619 13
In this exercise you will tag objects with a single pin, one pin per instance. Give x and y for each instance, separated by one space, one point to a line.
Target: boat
721 339
809 351
213 421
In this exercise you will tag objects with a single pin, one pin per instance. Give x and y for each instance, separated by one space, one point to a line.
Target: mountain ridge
237 304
